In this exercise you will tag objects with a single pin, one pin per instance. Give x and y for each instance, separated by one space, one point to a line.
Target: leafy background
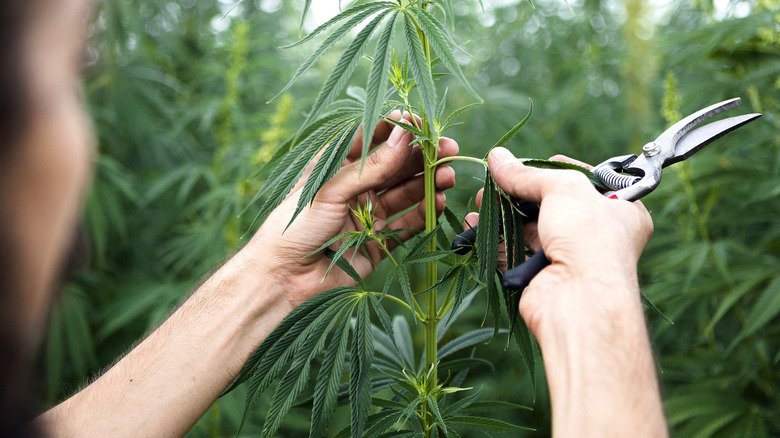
177 91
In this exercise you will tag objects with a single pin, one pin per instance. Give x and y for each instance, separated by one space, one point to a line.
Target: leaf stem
396 300
447 301
384 248
459 158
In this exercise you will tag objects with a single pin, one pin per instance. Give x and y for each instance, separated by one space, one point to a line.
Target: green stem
431 320
417 310
384 248
447 301
459 158
396 300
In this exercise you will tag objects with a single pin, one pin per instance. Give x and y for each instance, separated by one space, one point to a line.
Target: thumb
515 178
377 168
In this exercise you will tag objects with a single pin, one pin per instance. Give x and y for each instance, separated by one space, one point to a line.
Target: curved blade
694 141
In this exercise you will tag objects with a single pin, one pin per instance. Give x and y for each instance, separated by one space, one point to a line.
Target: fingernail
502 155
395 137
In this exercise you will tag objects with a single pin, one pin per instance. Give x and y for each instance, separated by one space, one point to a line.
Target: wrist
252 291
597 359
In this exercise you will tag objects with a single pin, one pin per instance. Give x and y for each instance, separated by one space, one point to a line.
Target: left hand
391 179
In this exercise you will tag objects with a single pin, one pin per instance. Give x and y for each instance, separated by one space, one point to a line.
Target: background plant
596 71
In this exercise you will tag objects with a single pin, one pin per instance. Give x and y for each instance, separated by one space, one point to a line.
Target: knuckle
573 180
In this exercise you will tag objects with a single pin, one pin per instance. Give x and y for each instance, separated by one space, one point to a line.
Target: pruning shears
630 177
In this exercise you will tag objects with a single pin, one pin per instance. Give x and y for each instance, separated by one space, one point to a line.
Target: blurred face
48 170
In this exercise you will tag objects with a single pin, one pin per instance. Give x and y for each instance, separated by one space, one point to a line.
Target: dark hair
15 412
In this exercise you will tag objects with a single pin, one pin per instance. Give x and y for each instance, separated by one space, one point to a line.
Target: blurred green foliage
177 90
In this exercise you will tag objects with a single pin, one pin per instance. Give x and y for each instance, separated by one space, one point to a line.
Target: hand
588 238
391 179
584 308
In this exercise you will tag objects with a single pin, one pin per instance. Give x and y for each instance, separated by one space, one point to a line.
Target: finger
306 172
470 221
414 164
448 147
565 159
379 167
534 184
480 193
382 132
531 236
403 196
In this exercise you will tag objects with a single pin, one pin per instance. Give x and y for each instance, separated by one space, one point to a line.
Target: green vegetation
177 90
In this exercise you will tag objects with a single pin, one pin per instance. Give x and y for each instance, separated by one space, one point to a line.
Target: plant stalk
431 322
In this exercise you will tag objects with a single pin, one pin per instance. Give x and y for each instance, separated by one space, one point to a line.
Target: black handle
464 241
518 277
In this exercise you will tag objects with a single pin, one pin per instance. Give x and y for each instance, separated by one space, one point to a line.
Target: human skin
167 382
584 309
44 187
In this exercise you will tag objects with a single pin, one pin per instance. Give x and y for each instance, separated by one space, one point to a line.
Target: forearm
167 382
600 368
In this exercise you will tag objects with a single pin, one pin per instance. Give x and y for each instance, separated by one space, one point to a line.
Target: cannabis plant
344 339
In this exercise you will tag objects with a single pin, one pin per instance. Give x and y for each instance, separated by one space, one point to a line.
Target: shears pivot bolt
651 149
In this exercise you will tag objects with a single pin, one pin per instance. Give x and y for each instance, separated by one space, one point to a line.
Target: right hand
591 241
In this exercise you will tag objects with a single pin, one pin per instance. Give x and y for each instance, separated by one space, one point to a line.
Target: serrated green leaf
508 136
482 423
408 127
453 220
470 339
276 356
345 266
331 242
306 7
487 247
443 45
325 168
327 387
360 368
547 164
358 16
406 286
383 317
436 413
427 256
442 104
350 242
410 409
421 243
465 363
403 339
377 83
337 79
379 423
455 311
297 376
292 165
296 318
496 404
420 69
387 357
459 111
366 8
525 343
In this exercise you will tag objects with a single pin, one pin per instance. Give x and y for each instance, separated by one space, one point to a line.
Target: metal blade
693 141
